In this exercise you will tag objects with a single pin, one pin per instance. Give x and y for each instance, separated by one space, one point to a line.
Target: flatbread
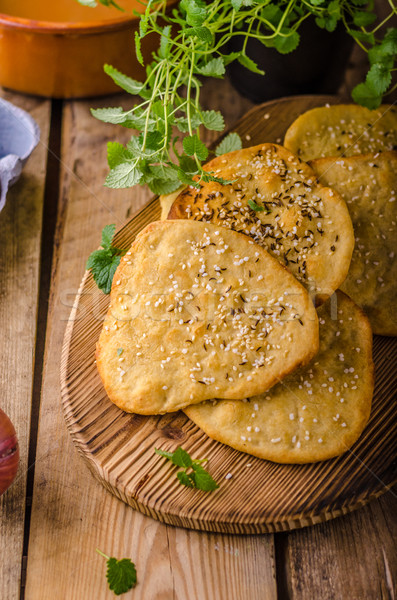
166 201
315 413
368 183
303 224
342 130
196 312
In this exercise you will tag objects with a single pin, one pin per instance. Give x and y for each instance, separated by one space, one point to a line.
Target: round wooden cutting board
260 496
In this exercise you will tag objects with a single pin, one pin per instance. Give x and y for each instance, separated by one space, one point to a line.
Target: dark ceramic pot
317 66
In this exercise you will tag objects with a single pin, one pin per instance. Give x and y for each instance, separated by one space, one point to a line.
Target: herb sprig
121 574
103 263
167 149
192 474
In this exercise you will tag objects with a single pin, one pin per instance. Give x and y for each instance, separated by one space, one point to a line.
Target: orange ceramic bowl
64 59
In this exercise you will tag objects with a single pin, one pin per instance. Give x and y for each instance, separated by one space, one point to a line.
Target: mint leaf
181 458
138 49
165 41
378 79
126 83
229 143
364 95
123 175
287 43
117 154
214 68
196 11
237 4
202 33
120 351
192 145
252 204
184 479
363 19
249 64
202 479
213 120
192 473
107 236
121 575
103 265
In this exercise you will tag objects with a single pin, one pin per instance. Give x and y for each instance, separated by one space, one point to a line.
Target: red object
9 452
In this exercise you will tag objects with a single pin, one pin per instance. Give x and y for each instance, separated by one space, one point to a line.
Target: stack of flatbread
231 309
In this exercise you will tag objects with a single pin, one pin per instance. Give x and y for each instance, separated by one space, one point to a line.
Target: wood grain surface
262 497
20 238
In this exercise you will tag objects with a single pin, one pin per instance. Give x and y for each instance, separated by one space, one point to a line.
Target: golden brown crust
196 312
303 224
315 413
342 130
368 183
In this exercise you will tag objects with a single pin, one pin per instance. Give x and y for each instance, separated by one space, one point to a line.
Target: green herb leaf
202 479
117 154
364 95
126 83
121 575
196 11
123 175
138 48
103 266
249 64
363 18
107 236
378 78
229 143
193 474
252 204
165 41
120 351
103 263
214 68
213 120
202 33
287 43
192 145
185 479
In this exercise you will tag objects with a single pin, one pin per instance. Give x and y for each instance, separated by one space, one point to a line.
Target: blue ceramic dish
19 135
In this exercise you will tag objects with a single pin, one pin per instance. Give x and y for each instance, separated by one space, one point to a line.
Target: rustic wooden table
55 515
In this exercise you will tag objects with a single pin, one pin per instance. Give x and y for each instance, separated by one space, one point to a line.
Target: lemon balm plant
167 151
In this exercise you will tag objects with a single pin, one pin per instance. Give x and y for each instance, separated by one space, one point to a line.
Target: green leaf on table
192 145
192 473
121 575
229 143
202 479
107 236
123 175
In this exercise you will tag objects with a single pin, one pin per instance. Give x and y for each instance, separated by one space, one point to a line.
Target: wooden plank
72 514
351 558
20 223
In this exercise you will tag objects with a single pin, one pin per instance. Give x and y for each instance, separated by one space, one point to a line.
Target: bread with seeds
276 199
342 130
315 413
197 312
368 183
